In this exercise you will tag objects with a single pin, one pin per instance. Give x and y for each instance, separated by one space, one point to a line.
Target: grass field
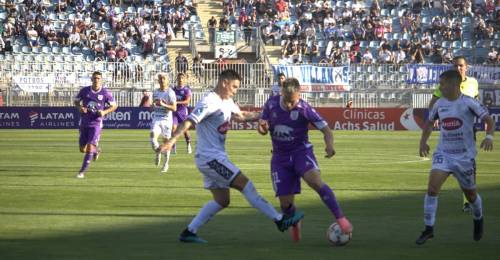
125 209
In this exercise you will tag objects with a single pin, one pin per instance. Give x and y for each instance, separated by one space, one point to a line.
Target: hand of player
424 149
83 110
487 144
330 151
166 147
263 127
100 113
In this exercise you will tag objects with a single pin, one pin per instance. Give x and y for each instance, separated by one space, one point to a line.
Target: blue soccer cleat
190 237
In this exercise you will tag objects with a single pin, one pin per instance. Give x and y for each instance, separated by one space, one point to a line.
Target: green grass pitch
125 209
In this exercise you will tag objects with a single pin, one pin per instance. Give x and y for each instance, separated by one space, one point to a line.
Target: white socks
430 208
205 214
154 143
260 203
477 208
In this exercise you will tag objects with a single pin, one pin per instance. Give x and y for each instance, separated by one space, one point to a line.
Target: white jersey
161 113
456 121
211 116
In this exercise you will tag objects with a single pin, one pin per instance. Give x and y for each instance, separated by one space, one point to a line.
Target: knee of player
224 202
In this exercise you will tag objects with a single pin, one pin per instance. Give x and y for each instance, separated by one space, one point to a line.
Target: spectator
247 31
367 57
181 63
212 24
146 99
492 56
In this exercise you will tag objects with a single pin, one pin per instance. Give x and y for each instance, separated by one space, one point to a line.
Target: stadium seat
466 20
466 45
66 50
374 44
62 16
456 45
26 49
56 50
396 36
446 44
481 44
384 12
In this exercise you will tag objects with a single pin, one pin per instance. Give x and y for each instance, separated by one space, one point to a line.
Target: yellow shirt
469 87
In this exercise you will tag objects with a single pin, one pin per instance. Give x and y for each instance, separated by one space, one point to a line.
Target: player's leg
220 201
88 139
288 209
97 150
166 132
175 123
153 138
187 136
436 179
467 181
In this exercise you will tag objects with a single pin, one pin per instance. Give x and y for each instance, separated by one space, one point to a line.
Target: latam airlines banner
387 119
429 74
316 78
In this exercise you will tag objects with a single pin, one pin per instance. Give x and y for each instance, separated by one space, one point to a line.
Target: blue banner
429 74
316 78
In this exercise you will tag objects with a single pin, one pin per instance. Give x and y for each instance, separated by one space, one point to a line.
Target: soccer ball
336 237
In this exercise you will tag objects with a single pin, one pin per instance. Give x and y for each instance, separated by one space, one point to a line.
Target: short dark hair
291 85
453 76
460 58
229 75
281 74
98 73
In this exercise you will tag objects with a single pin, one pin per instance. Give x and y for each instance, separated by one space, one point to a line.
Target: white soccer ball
335 235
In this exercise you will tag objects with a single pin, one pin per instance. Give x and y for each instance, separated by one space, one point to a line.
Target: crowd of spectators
378 31
106 31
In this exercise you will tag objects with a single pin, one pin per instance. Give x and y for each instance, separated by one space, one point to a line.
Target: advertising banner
315 78
371 119
429 74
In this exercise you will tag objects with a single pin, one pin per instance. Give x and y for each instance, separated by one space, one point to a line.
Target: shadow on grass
384 228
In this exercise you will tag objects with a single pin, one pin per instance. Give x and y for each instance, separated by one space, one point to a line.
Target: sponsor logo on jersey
451 123
100 97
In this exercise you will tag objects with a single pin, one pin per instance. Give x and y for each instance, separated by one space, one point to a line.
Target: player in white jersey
164 102
212 117
456 151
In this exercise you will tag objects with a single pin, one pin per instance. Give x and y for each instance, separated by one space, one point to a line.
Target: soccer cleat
287 221
96 155
345 225
158 159
295 232
428 233
190 237
467 208
174 149
478 229
189 148
80 175
164 169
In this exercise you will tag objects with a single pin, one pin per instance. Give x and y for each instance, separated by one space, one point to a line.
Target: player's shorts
286 170
162 126
463 170
89 135
218 172
180 117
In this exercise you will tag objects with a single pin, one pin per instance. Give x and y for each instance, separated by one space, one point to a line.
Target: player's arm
487 143
112 107
433 101
328 139
185 102
181 129
246 116
79 106
426 133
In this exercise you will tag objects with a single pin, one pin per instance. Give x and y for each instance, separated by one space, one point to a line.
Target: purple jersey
93 101
289 129
182 94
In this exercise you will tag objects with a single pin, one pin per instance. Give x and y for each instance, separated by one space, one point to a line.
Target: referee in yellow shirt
469 87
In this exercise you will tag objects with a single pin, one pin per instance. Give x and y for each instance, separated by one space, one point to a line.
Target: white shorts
162 126
218 172
463 170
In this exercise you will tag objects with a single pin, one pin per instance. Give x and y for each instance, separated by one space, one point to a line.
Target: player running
94 102
161 119
287 118
456 151
212 117
183 94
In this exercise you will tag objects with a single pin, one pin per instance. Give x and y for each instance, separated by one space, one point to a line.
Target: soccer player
276 88
212 115
161 119
183 94
287 118
468 87
93 102
456 151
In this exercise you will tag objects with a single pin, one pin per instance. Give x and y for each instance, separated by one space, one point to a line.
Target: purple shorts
179 118
286 170
90 135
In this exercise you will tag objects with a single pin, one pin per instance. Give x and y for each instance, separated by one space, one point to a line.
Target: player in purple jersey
183 94
212 116
456 151
287 118
93 102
